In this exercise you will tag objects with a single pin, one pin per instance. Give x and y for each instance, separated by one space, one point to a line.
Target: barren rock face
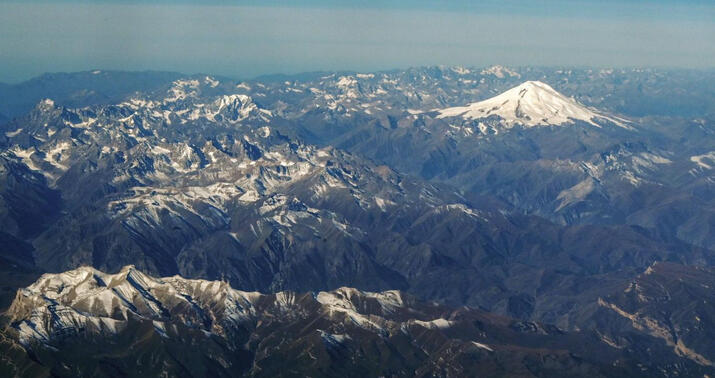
542 202
64 311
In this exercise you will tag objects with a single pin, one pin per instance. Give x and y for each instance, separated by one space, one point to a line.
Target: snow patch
11 134
705 161
434 324
482 346
500 72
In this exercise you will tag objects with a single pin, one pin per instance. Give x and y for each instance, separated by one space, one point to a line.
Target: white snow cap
532 103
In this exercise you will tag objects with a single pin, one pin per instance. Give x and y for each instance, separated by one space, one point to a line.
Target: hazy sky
248 38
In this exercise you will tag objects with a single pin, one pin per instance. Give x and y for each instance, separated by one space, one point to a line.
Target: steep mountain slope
580 174
204 186
62 317
539 208
531 103
668 302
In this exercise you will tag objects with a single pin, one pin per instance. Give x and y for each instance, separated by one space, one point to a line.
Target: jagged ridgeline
538 196
198 327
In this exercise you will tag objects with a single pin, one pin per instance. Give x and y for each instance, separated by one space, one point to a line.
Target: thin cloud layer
245 41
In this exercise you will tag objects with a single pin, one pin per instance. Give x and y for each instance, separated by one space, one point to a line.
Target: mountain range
516 221
339 332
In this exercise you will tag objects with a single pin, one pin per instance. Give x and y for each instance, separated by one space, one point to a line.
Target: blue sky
247 38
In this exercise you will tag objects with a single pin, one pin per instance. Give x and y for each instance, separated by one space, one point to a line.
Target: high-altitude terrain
339 332
573 206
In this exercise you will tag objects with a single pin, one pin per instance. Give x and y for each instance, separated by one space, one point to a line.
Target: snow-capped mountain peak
532 103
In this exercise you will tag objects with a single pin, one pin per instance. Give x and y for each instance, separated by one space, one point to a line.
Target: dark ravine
128 317
413 180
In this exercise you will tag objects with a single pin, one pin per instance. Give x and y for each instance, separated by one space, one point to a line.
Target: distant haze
246 40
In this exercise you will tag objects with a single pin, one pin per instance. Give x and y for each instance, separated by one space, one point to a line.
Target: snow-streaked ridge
88 300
